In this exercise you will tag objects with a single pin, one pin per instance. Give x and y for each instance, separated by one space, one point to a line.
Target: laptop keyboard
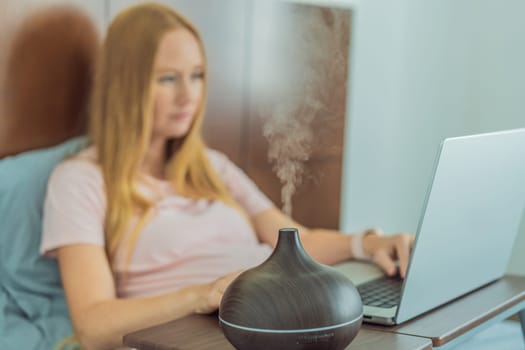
383 292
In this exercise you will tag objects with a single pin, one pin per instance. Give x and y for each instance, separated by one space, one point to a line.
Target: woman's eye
197 76
167 79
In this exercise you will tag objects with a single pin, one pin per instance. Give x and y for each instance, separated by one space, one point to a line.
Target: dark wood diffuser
290 302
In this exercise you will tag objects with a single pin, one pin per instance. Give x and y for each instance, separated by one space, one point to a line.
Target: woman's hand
211 293
384 250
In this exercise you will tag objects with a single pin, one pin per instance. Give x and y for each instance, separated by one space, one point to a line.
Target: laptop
465 236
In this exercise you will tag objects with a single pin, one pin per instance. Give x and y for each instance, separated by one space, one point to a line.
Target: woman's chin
173 131
176 132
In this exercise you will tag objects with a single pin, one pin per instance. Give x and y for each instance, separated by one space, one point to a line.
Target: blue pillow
33 309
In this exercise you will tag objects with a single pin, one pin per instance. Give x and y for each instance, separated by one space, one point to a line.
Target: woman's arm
101 319
331 247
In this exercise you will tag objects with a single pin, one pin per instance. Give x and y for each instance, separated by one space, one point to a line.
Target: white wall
421 71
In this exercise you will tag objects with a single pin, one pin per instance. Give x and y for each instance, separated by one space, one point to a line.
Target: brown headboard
48 75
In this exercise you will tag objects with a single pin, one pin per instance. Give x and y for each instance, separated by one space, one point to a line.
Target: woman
148 224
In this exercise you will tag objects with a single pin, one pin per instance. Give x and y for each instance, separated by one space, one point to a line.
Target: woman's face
179 83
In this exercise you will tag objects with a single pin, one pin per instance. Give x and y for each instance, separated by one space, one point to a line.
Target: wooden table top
434 328
200 332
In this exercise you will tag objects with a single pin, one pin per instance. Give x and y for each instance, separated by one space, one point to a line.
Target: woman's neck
154 163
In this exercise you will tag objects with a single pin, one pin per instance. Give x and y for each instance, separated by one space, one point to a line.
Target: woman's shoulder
222 164
215 155
81 165
218 159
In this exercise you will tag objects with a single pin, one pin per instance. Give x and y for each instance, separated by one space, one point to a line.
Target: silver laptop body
469 222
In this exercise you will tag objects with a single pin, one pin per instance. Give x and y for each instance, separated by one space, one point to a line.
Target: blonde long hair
121 122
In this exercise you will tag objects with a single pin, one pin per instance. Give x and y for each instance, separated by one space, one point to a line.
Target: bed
48 75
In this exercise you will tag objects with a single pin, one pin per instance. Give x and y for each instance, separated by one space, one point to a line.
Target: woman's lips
180 116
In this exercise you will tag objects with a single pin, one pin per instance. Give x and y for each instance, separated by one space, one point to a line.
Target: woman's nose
184 92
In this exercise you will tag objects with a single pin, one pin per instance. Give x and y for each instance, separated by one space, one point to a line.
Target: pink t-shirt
185 241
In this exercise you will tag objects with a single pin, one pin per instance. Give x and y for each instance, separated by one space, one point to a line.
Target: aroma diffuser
290 302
